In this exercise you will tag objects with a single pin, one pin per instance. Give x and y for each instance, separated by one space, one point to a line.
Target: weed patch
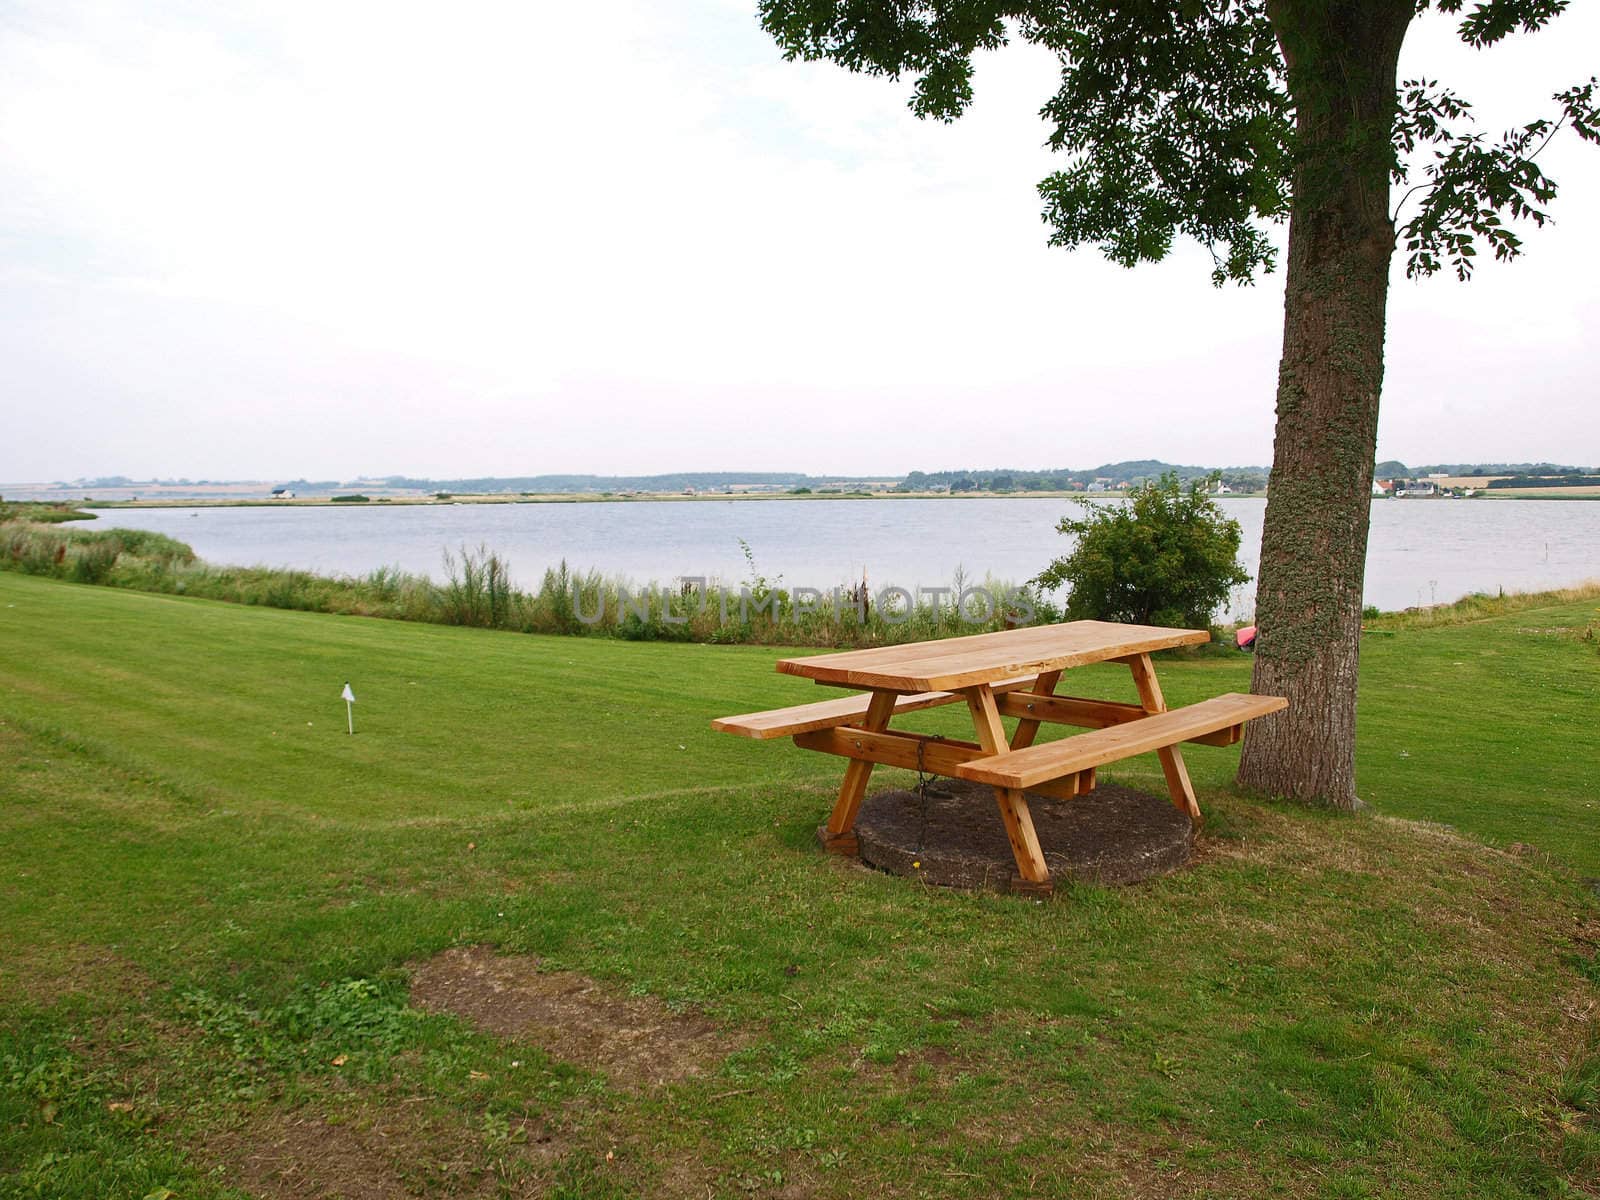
356 1023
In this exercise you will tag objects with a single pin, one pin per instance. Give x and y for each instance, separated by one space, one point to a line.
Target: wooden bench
847 710
1035 765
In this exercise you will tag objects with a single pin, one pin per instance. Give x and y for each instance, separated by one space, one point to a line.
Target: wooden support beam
1144 678
1028 728
839 834
1066 787
940 756
1034 708
1024 841
986 720
1013 805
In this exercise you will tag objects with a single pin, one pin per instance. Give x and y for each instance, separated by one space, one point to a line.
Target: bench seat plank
827 714
823 714
1036 764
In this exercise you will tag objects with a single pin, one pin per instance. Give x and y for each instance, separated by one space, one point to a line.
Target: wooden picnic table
1013 673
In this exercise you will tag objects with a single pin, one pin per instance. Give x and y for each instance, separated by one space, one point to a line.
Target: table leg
839 834
1151 699
1013 805
1028 728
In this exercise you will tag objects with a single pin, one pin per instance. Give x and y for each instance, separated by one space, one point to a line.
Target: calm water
1421 551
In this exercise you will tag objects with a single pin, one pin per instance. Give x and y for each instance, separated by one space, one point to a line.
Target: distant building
282 493
1419 487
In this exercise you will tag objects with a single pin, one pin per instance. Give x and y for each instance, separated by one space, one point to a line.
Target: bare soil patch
46 976
636 1041
370 1152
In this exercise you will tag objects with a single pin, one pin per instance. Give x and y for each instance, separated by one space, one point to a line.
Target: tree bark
1342 58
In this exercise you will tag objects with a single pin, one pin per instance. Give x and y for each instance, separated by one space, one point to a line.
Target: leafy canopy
1178 118
1169 557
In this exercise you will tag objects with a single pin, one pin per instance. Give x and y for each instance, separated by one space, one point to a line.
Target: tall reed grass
1480 606
478 591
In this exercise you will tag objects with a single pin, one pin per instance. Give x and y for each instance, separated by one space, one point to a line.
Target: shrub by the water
83 555
1167 557
43 512
93 563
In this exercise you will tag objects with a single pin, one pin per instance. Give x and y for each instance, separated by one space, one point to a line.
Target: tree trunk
1342 57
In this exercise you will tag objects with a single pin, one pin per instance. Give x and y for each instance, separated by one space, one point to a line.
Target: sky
269 240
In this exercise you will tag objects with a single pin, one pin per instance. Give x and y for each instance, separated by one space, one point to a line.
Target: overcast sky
268 240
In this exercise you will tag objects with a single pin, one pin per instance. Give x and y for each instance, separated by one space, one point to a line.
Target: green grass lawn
213 900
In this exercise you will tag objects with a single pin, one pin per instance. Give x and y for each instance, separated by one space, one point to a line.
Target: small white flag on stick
349 699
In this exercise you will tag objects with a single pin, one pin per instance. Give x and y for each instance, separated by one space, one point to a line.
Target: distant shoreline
410 501
1589 493
585 498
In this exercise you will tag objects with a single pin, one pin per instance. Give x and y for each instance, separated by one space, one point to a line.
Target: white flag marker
349 699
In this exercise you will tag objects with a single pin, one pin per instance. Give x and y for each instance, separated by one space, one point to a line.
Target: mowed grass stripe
449 721
1485 726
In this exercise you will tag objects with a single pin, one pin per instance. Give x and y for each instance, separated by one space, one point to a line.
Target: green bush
355 499
39 553
146 543
1168 557
93 562
41 512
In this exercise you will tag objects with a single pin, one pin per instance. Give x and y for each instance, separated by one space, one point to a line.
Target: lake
1420 551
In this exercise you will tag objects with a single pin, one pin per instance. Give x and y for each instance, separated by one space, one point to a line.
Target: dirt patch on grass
370 1151
46 976
636 1041
1098 1161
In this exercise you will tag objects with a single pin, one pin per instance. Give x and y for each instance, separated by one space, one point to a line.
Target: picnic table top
981 658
